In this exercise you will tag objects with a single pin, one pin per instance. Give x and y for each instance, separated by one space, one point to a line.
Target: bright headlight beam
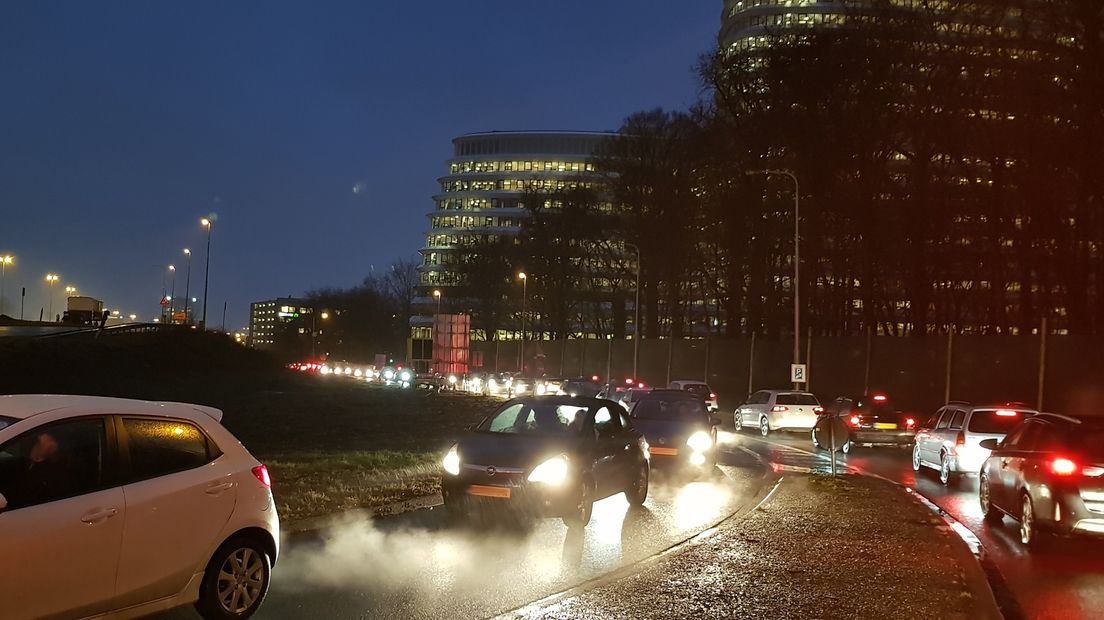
700 441
551 472
451 462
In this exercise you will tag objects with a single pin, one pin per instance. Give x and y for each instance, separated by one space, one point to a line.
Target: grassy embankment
331 444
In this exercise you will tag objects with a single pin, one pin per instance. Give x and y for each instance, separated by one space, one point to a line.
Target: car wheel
847 447
580 514
946 476
1030 535
764 427
916 462
235 582
816 444
985 498
638 490
737 423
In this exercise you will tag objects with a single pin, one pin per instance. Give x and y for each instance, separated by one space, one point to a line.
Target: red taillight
960 440
779 408
910 422
261 472
1005 413
855 420
594 378
818 409
712 396
879 398
1063 467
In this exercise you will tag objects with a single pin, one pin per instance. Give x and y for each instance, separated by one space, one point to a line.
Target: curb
981 575
756 502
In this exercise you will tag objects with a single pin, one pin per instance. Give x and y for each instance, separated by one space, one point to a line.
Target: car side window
958 420
54 462
945 419
1012 440
932 421
1050 439
506 421
761 398
605 422
162 447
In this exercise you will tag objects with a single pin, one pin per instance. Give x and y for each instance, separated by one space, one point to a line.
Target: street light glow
205 222
437 294
172 267
7 259
325 315
52 277
522 276
187 251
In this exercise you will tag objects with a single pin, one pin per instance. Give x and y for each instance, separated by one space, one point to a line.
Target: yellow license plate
663 451
486 491
885 427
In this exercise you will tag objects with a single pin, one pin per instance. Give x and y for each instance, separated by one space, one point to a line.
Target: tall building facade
280 322
482 196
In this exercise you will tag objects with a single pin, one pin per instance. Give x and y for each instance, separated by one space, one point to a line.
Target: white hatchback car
778 410
121 508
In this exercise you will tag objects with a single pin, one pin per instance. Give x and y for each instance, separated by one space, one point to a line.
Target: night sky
123 123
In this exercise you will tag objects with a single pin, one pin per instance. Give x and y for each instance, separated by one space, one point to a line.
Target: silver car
950 441
778 410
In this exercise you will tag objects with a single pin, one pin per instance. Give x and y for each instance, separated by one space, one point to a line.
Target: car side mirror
3 503
990 444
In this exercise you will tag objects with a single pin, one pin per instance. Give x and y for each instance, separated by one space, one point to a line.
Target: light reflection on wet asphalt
416 566
1064 581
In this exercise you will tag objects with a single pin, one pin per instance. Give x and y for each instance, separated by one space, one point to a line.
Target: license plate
882 426
486 491
663 451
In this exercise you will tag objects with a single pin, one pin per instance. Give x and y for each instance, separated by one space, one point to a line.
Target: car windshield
1090 442
797 399
700 390
674 409
6 422
996 422
536 419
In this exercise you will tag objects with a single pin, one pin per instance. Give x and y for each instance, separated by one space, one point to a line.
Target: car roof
690 382
23 406
658 393
777 392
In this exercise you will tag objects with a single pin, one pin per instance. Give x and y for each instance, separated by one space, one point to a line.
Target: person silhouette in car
45 477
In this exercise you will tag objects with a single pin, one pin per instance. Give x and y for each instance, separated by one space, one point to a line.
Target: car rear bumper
792 422
883 437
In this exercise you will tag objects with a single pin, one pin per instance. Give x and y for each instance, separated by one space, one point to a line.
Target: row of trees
361 321
948 158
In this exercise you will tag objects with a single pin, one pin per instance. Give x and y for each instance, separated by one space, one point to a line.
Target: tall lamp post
187 284
172 294
797 257
524 299
209 224
51 280
5 260
636 313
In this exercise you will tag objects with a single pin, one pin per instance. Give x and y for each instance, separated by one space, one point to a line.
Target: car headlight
541 390
700 441
451 462
552 472
452 379
520 389
405 376
389 374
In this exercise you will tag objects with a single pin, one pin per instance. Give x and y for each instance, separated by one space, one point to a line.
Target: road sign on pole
798 373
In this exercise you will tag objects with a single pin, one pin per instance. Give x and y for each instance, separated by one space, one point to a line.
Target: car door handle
99 515
215 489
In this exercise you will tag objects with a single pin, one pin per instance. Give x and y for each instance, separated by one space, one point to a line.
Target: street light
51 280
797 257
521 349
636 313
187 284
5 260
70 291
209 224
172 294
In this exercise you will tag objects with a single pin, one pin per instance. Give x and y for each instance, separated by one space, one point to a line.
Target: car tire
737 423
579 517
637 491
989 512
816 444
236 580
946 476
1030 534
847 447
917 463
764 427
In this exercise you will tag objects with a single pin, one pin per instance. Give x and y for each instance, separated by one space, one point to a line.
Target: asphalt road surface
1065 580
417 566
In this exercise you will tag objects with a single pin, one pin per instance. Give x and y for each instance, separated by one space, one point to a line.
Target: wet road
1063 581
416 566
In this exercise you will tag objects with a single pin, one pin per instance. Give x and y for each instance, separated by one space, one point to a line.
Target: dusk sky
123 123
